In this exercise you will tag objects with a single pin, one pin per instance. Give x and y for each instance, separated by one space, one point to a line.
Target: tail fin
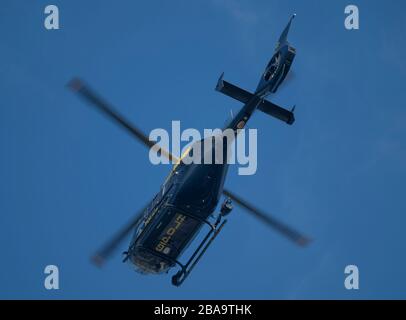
284 35
244 96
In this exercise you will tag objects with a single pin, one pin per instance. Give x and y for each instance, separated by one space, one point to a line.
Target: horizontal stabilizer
233 91
277 112
244 96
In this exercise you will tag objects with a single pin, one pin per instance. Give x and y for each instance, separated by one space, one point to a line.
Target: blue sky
69 178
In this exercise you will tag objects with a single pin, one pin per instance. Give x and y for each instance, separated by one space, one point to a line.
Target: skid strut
186 269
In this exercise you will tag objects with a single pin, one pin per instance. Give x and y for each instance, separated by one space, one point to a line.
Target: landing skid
186 269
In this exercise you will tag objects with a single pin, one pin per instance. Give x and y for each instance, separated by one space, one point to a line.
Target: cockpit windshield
148 263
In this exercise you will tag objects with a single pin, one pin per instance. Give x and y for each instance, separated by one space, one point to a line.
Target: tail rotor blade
286 231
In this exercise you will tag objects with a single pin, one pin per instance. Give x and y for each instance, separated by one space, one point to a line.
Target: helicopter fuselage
189 196
186 200
191 193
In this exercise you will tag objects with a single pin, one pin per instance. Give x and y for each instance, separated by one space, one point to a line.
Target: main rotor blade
108 249
92 98
288 232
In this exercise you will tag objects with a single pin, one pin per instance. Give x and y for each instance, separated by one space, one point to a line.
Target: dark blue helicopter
189 196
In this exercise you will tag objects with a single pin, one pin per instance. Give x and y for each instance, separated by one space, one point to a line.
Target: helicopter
187 200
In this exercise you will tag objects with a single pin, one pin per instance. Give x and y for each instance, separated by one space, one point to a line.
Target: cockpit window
146 262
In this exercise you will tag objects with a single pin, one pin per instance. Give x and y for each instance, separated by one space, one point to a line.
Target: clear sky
69 178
